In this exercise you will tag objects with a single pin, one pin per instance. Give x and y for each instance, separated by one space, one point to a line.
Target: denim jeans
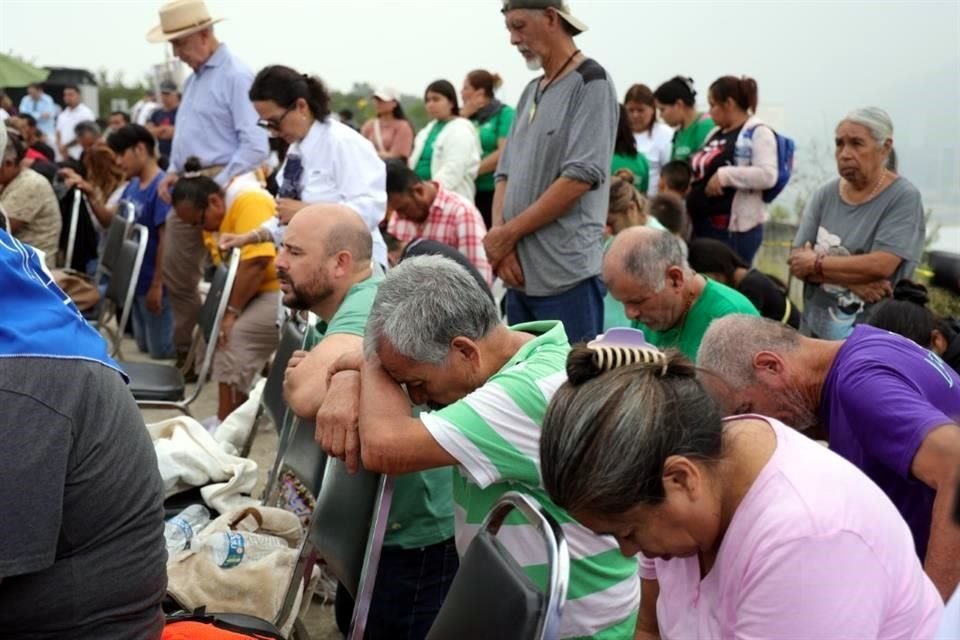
411 586
580 309
153 332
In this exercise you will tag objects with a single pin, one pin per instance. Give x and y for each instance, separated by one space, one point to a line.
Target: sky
814 60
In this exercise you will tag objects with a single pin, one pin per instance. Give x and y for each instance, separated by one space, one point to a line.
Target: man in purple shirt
217 124
884 403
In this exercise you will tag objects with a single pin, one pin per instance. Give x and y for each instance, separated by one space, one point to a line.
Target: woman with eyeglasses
327 161
248 333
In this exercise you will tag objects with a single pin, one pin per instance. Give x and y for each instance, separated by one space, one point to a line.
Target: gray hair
873 119
423 304
730 342
648 261
606 437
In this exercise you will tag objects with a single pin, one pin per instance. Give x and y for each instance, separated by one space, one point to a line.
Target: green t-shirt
492 131
638 165
688 141
423 164
494 433
422 510
716 301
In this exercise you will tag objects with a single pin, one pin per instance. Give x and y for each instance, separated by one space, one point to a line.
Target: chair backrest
117 232
215 305
72 232
299 471
347 531
123 281
492 597
127 211
291 339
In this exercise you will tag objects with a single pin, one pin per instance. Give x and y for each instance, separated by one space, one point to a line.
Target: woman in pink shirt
390 132
748 528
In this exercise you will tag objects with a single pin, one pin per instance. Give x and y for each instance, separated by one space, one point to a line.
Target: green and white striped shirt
494 433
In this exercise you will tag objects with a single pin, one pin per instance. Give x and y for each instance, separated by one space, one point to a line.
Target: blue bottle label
234 550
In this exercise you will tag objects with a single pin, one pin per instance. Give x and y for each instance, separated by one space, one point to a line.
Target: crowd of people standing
657 393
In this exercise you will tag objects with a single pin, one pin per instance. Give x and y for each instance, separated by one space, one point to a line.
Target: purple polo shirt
881 398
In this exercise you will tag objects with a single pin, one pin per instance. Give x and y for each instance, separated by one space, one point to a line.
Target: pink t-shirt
815 550
395 137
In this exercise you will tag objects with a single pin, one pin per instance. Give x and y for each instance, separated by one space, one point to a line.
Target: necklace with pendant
538 93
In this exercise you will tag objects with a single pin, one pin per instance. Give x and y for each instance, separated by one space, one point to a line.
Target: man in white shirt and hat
217 124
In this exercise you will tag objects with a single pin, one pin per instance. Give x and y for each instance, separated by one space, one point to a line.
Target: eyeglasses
273 124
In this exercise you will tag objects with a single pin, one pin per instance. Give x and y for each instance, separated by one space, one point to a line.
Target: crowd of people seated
582 317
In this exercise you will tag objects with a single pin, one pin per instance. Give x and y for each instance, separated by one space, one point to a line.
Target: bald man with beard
325 266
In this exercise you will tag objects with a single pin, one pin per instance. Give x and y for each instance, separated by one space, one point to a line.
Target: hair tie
192 174
610 358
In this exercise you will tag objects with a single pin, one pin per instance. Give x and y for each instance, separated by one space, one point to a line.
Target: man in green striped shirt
433 329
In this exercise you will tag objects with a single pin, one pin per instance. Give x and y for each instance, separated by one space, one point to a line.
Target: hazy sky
815 58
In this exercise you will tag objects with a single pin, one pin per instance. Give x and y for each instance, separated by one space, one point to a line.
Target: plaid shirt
454 221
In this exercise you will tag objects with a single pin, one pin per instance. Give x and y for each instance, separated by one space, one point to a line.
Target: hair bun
192 165
496 80
909 291
626 175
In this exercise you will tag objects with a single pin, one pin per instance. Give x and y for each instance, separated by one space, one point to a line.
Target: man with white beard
550 203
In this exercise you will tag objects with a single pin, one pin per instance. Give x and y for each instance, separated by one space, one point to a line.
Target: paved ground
319 619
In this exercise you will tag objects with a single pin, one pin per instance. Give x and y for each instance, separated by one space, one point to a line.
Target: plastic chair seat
154 382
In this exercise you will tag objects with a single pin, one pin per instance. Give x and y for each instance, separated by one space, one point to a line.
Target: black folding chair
162 385
492 597
119 298
272 403
347 532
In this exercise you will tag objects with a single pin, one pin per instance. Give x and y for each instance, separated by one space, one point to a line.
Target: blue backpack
785 149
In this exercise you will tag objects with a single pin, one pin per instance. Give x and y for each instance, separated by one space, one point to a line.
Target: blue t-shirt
151 213
162 117
882 396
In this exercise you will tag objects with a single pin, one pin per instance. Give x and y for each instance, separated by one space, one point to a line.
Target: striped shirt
494 433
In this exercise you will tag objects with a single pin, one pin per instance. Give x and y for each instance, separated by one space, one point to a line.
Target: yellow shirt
249 210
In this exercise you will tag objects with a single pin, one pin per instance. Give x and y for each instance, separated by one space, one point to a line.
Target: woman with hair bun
677 102
908 315
737 162
327 161
738 538
493 120
859 233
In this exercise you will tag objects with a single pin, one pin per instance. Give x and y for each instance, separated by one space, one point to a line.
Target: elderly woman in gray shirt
859 233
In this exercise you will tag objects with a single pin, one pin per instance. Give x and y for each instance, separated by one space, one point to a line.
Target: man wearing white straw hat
216 123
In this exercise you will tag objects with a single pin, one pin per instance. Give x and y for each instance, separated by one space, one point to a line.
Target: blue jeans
580 309
411 586
153 332
745 243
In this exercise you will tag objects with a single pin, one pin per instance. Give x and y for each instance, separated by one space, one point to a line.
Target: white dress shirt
68 119
341 166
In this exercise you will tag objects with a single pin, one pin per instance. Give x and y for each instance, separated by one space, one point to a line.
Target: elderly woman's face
681 526
859 157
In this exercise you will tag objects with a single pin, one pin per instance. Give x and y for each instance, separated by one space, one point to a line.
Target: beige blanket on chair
254 588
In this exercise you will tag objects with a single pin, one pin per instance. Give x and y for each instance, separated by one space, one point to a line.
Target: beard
303 297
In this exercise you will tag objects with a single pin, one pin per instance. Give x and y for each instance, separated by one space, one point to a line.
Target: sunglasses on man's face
273 124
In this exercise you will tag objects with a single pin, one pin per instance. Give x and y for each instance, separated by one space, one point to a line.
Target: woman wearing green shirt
626 156
447 150
493 120
677 102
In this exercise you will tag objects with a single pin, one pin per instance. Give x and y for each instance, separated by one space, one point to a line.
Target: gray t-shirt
572 136
892 222
82 553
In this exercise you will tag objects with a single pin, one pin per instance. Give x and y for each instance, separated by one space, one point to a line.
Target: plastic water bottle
180 529
230 548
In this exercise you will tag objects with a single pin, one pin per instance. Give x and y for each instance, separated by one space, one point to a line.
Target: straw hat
180 18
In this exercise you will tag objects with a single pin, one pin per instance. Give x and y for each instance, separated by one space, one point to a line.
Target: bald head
326 250
330 229
644 254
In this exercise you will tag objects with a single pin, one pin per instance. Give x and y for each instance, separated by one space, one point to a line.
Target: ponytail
285 86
